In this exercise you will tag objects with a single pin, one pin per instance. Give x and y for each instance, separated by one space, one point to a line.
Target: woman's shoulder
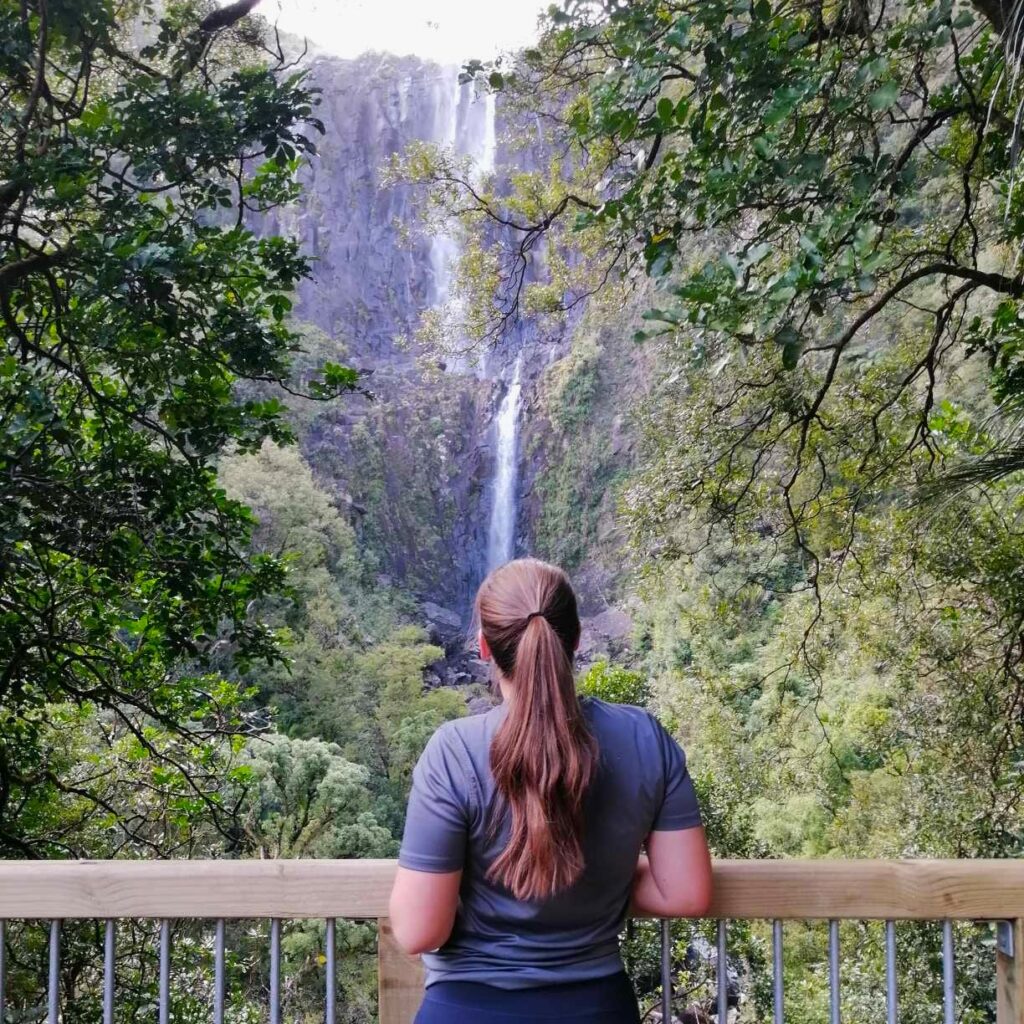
618 717
469 733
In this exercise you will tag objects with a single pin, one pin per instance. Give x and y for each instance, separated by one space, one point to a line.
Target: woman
522 849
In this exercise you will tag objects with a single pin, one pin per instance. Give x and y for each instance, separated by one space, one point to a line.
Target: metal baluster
275 971
329 965
108 974
948 974
666 970
53 988
891 1014
722 969
777 971
3 967
218 973
833 971
165 970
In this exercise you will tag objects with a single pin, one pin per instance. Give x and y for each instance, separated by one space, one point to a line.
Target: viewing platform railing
281 890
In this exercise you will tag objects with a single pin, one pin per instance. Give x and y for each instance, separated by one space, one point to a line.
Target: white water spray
501 539
444 250
489 146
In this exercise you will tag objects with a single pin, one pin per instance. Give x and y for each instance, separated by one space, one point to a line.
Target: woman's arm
425 895
422 908
674 878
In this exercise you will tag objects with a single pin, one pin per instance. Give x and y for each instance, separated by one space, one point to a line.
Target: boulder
444 627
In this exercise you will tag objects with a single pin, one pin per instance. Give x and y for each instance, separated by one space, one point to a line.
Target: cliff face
370 283
416 467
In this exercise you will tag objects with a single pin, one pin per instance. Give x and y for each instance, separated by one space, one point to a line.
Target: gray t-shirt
641 785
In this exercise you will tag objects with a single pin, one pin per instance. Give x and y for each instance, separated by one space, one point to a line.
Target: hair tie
533 615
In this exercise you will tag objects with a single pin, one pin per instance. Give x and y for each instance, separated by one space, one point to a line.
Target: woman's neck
508 691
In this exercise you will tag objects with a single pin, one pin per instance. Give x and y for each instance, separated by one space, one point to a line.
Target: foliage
582 445
505 227
132 297
104 789
354 674
615 684
301 798
332 591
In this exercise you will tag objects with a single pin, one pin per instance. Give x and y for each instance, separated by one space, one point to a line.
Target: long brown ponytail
543 757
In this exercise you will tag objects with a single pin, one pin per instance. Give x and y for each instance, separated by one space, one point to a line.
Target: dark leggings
608 1000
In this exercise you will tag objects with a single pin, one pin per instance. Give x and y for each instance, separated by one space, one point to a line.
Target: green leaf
884 96
662 316
660 265
792 346
783 104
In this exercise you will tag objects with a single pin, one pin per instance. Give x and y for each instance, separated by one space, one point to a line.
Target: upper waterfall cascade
444 249
377 270
469 130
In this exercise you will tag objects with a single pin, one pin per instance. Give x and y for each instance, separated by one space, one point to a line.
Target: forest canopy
133 297
781 242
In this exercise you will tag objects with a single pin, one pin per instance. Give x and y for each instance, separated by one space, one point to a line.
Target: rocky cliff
416 467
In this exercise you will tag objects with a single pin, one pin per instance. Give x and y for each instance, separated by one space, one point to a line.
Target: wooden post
399 979
1009 972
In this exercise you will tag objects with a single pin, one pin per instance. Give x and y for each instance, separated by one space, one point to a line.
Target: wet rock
480 705
604 635
444 627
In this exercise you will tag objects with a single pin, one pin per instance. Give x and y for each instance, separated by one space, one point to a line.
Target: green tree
616 684
354 674
301 798
822 203
825 203
397 717
132 298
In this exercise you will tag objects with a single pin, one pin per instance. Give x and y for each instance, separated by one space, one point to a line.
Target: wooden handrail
801 889
762 889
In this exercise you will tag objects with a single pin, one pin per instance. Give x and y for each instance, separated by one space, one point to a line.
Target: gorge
455 438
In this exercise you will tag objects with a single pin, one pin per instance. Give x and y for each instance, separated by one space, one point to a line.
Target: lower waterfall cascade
502 533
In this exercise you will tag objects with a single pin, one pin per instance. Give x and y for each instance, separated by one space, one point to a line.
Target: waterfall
466 127
444 250
473 139
501 539
489 147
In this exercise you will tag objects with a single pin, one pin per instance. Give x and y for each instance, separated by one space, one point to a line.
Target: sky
449 31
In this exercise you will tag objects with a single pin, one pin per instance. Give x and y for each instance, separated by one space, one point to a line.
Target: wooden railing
977 890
